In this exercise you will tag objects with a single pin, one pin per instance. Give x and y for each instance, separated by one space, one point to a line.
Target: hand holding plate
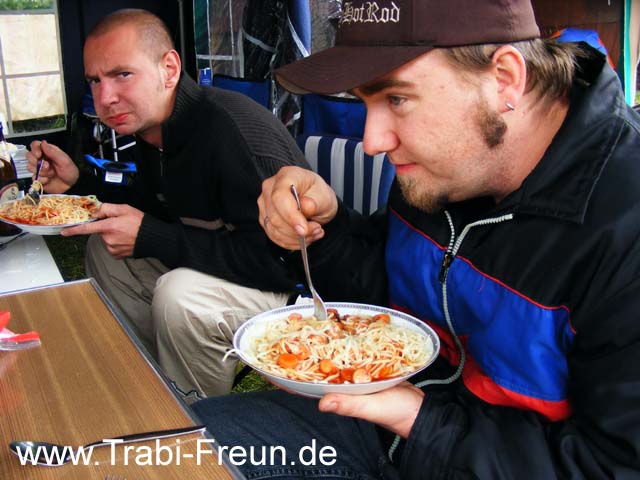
395 409
119 228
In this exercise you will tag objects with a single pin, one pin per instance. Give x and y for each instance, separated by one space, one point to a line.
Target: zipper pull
444 268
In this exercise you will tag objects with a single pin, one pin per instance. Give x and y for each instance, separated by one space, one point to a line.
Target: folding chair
111 171
259 90
362 181
328 115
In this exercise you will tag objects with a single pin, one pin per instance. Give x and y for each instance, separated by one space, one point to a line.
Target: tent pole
181 27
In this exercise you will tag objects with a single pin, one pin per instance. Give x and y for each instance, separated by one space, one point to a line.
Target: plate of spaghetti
52 214
359 349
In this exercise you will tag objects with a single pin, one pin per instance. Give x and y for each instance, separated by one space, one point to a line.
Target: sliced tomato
328 367
384 317
360 375
346 374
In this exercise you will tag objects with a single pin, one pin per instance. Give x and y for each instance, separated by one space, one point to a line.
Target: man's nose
104 94
379 134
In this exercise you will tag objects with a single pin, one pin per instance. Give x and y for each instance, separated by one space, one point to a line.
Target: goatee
420 199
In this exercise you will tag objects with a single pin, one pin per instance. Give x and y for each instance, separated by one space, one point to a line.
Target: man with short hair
184 260
512 230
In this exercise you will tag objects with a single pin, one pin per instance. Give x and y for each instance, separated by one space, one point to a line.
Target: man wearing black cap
512 230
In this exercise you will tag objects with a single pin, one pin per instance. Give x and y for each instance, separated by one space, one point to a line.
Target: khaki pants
185 319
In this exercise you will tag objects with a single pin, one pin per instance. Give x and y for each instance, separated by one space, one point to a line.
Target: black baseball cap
377 36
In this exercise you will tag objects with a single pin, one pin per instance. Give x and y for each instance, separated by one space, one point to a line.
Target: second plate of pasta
52 214
360 349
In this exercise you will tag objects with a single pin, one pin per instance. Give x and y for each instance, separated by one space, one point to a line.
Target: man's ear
172 66
511 76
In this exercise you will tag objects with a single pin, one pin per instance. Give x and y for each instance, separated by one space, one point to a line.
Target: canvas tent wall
227 32
217 24
615 20
250 38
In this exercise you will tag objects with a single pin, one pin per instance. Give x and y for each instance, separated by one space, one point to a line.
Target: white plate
255 327
46 229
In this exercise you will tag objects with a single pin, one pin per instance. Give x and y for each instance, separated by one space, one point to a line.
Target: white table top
27 263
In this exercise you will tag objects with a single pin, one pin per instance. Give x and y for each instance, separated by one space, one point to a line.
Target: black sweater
199 193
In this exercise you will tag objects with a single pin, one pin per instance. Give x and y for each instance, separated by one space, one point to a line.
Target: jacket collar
562 183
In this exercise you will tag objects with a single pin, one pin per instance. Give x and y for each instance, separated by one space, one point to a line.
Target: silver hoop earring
510 106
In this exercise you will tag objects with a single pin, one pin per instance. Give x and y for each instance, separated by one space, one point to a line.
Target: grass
68 252
251 383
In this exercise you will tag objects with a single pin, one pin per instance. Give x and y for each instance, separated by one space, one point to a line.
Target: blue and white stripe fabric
362 181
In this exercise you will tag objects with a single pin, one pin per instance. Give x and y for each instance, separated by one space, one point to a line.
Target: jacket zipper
447 260
449 256
454 244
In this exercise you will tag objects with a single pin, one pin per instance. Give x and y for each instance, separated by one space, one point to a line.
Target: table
90 380
27 263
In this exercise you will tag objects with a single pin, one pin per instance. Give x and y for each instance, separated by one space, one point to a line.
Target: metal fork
20 341
3 245
114 477
33 195
319 309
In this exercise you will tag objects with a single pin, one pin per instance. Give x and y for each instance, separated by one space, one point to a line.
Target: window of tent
32 96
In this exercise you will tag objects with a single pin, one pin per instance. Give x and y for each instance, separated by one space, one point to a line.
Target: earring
510 106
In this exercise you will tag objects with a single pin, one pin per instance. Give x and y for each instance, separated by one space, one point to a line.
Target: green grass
251 383
68 252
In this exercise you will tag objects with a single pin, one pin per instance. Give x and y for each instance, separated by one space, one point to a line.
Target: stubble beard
492 128
417 196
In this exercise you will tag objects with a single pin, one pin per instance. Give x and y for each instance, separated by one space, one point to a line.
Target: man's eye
92 81
124 74
396 101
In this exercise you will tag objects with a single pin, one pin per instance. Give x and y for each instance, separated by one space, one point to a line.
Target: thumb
309 206
346 405
52 153
48 149
110 210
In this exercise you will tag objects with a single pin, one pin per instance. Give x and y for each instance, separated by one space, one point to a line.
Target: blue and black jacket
542 289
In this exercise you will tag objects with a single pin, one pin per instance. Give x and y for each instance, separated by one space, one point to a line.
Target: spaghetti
347 349
52 210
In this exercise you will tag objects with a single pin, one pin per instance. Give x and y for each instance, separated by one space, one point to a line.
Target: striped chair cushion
362 181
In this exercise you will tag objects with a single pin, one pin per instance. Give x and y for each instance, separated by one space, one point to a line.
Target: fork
319 309
3 245
33 194
21 341
114 477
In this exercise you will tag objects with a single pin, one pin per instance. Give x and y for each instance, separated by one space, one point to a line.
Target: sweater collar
179 127
561 184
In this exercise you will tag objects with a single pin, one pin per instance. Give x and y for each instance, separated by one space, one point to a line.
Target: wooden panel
86 382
